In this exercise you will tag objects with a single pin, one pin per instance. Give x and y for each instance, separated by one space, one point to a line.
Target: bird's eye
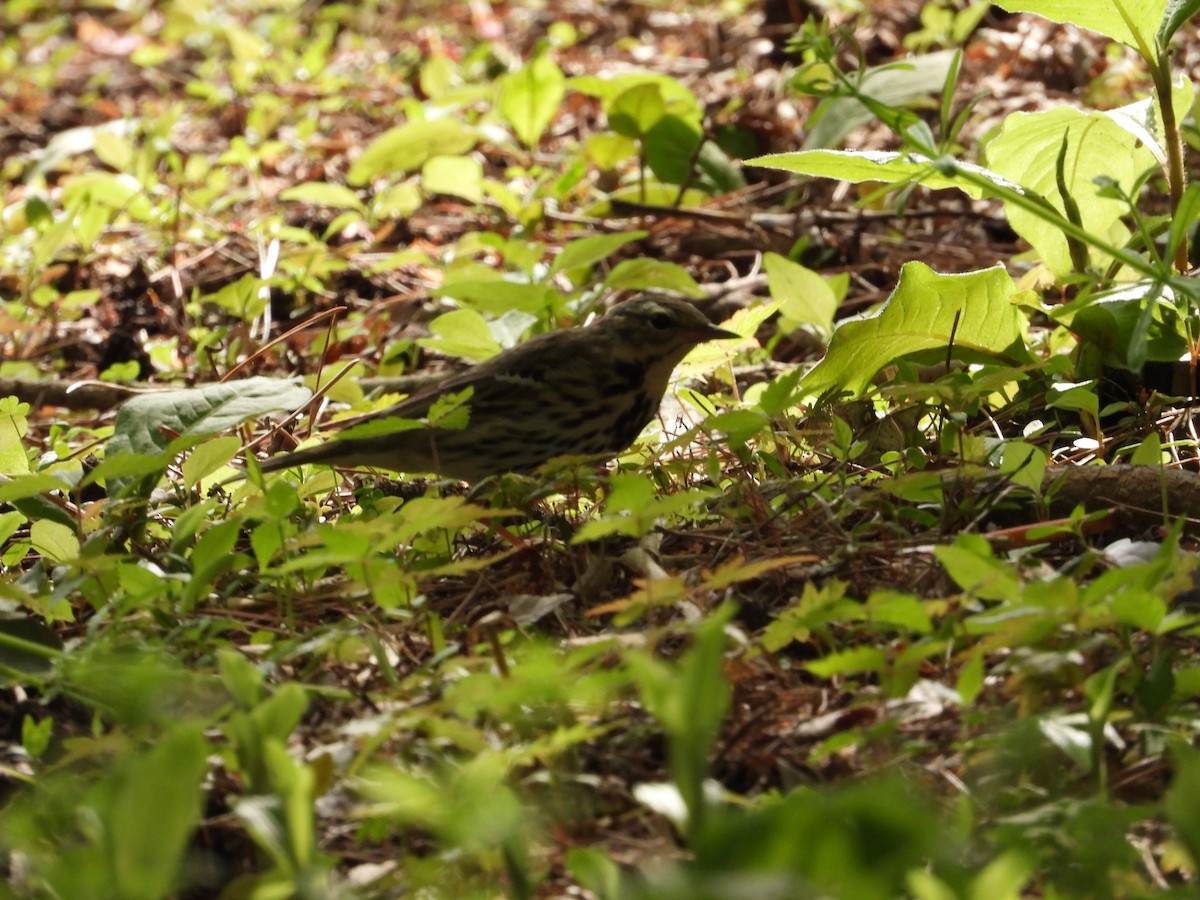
661 321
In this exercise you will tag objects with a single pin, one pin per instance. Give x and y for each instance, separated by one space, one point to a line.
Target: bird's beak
713 333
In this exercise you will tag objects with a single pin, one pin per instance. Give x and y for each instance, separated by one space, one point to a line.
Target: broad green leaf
496 296
13 425
1024 464
143 423
30 485
208 457
804 296
924 311
637 110
407 147
1027 151
677 99
462 332
898 608
455 176
55 541
607 150
652 274
589 250
1105 17
530 98
969 561
1143 119
321 193
156 807
1149 452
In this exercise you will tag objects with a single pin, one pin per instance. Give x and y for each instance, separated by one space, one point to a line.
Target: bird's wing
525 365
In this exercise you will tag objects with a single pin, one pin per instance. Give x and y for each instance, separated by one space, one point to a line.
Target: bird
585 391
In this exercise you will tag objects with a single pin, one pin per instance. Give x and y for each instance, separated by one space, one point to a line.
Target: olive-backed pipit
579 391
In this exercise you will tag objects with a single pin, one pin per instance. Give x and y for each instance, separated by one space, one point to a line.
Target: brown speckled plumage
580 391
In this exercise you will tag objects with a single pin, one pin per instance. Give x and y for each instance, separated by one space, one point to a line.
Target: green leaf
13 425
924 311
1026 152
608 150
55 541
156 807
652 274
1149 452
1182 801
970 678
496 296
893 85
208 457
146 423
589 250
803 295
320 193
635 111
27 646
531 97
898 608
1176 14
1147 16
455 176
1024 464
974 569
887 167
407 147
848 662
462 332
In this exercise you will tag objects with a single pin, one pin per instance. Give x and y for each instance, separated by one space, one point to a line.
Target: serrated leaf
407 147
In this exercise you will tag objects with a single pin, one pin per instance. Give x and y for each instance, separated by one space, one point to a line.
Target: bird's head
661 327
